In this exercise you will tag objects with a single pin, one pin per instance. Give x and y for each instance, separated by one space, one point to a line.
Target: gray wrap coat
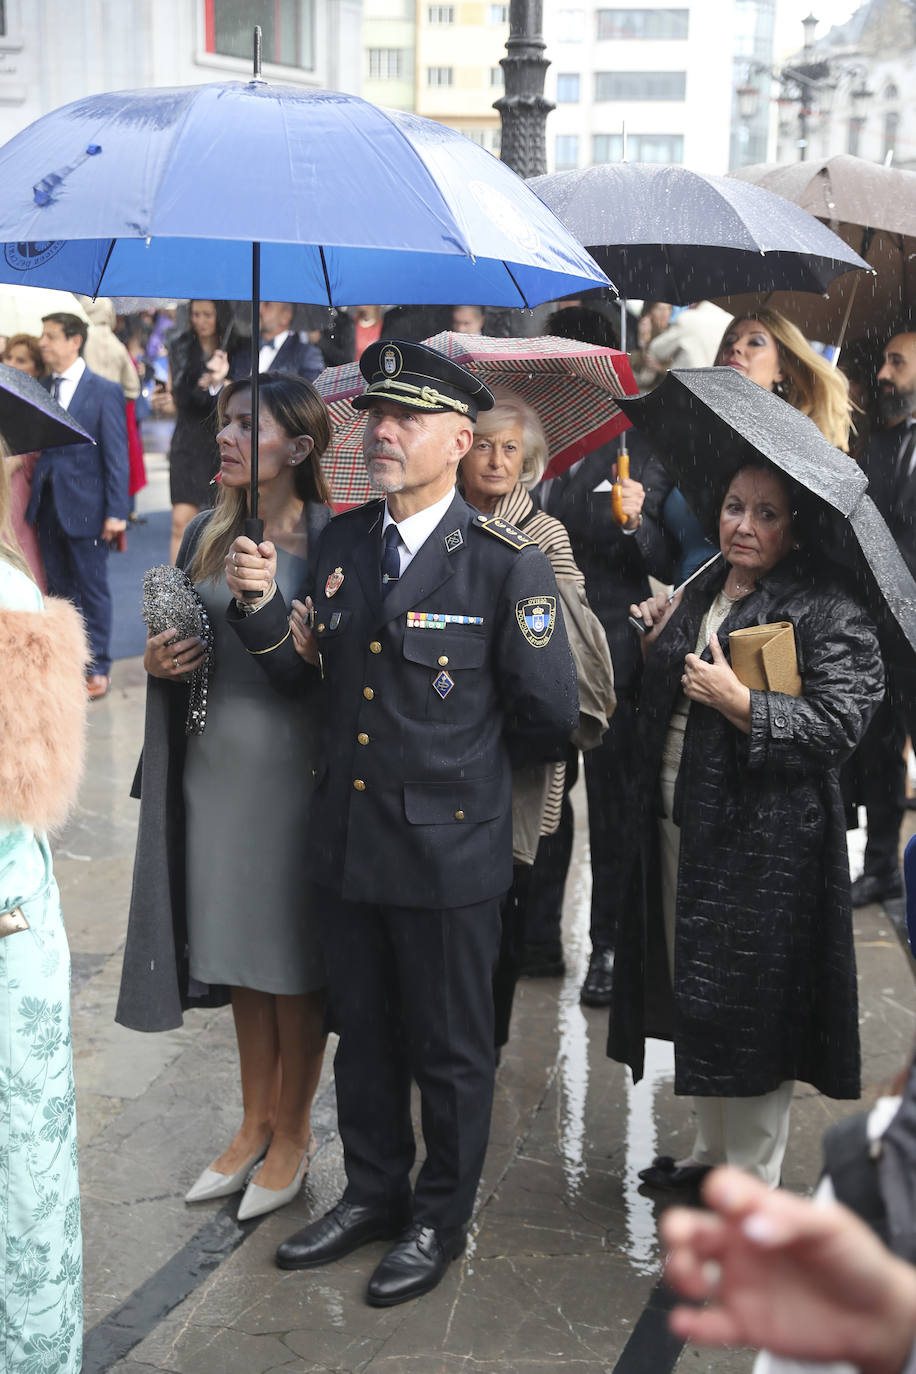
765 978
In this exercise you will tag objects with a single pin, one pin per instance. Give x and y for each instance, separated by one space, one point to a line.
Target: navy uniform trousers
428 696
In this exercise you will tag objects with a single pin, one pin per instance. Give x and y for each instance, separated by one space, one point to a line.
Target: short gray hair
509 409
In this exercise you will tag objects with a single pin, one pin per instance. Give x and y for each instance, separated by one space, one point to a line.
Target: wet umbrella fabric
707 422
30 418
572 386
667 233
873 209
161 193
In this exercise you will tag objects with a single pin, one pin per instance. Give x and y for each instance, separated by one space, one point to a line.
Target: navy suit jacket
299 356
88 481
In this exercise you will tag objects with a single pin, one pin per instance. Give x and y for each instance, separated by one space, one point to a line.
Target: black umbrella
707 422
30 418
670 234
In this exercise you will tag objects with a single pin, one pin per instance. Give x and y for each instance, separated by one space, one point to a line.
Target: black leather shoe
543 961
346 1227
596 990
665 1173
414 1265
876 887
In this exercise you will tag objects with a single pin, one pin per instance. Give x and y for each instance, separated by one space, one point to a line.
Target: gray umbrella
30 418
670 234
707 422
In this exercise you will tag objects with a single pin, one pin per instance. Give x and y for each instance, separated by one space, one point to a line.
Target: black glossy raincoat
765 977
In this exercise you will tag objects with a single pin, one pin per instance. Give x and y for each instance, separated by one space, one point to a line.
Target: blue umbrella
241 188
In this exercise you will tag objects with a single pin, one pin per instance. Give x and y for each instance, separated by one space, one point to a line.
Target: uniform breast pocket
438 679
330 624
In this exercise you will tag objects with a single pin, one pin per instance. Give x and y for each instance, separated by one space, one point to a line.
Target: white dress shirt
416 529
69 381
270 350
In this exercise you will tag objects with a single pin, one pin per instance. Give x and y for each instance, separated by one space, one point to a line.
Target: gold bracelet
273 646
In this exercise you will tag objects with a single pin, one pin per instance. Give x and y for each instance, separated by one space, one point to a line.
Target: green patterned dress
40 1241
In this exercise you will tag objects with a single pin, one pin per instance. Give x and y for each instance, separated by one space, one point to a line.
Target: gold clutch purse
763 658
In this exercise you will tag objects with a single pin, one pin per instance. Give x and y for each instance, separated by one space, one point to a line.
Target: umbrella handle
254 530
623 471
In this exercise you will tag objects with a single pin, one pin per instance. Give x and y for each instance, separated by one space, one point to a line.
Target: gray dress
247 784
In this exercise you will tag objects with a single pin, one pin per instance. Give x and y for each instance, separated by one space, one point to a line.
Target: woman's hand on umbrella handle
300 622
250 567
655 612
217 369
170 658
716 684
631 500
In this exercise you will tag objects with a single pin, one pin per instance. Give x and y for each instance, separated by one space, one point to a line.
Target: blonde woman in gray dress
243 924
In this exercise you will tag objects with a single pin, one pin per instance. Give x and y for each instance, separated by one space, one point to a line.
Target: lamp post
523 109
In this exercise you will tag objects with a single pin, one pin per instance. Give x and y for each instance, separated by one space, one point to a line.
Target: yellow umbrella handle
623 471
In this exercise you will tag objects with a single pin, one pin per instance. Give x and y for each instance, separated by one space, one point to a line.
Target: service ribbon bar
436 620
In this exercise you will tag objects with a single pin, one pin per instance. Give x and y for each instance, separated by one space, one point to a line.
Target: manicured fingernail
760 1229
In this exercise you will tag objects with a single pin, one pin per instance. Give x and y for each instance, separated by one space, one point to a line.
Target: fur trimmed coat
43 705
765 973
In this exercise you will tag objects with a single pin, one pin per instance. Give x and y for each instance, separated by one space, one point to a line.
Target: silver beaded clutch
170 598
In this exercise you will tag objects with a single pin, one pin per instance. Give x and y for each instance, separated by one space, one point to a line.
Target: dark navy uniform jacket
428 695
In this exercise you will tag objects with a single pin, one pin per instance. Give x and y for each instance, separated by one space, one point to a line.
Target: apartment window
567 88
386 64
640 85
566 152
439 76
440 14
498 14
287 28
640 148
570 26
486 138
654 24
2 18
497 77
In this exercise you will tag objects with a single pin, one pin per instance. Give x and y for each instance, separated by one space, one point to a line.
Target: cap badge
392 362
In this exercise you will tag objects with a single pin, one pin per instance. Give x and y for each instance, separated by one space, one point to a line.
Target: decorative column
523 109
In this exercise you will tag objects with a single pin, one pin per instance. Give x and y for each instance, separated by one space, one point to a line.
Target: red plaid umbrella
570 385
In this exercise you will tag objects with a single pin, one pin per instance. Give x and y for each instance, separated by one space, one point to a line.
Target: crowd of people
413 681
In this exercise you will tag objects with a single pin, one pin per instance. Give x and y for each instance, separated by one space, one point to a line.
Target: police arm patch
536 616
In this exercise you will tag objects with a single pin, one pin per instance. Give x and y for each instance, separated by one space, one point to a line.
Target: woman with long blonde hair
773 352
43 702
211 920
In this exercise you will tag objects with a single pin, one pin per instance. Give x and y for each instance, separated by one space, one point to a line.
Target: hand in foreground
169 657
304 640
657 611
632 498
250 567
112 528
797 1278
216 371
715 684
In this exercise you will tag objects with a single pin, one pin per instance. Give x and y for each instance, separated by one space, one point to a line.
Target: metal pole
523 109
253 527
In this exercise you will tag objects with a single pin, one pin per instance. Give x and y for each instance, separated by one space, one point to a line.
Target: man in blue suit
79 498
282 349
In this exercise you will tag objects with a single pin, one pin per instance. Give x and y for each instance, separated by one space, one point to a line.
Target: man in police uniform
443 657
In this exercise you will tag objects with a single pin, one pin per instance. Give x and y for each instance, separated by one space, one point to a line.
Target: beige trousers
749 1132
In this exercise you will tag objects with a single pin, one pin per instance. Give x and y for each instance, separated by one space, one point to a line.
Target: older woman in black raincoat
737 943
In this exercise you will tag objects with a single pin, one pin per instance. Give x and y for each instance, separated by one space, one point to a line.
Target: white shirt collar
277 342
73 372
416 529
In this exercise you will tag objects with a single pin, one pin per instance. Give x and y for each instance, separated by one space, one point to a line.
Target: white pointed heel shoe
259 1200
212 1184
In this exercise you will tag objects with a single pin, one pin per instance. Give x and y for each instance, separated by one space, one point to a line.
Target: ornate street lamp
523 109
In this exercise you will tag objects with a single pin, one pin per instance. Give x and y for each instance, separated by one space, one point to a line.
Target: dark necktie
391 562
55 387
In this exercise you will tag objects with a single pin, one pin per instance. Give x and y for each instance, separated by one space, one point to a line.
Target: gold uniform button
443 660
320 629
368 693
363 739
359 784
375 647
459 815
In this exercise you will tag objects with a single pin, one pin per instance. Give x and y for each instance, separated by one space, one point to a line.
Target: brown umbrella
873 209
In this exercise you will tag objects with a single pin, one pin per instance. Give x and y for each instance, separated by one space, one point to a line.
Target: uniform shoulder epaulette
352 512
501 529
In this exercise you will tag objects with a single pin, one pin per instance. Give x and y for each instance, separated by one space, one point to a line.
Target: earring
780 389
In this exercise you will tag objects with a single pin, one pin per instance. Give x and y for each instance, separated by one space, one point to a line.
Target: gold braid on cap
426 395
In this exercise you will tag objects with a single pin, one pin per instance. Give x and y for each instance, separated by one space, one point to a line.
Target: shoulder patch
501 529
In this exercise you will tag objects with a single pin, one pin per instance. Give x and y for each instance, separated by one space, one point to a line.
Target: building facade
55 51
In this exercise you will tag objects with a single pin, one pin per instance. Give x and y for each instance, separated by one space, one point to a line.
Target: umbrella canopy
667 233
873 209
572 387
706 422
161 192
30 418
